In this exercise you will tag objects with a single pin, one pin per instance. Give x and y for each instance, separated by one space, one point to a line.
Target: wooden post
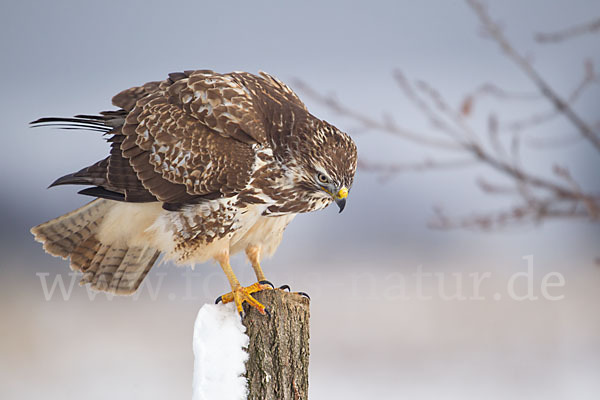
277 367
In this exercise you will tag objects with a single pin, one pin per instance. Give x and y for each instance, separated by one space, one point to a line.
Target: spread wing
189 137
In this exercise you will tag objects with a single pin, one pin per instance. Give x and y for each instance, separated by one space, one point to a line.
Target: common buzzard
202 165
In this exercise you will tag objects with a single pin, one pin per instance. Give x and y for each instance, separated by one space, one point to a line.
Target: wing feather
198 133
191 136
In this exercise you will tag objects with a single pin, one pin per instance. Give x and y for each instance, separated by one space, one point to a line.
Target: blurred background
395 312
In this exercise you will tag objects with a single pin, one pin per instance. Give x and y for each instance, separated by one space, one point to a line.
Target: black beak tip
341 204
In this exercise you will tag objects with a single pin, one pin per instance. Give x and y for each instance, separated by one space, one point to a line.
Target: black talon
267 283
283 287
219 299
267 312
303 294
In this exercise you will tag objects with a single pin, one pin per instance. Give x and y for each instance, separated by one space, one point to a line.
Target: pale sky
65 58
61 58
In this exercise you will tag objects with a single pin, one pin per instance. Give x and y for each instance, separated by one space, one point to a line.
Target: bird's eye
323 178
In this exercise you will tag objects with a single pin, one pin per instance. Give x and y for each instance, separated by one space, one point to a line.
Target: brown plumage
201 165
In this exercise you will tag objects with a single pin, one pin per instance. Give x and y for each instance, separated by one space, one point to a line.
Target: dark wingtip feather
98 191
70 179
93 123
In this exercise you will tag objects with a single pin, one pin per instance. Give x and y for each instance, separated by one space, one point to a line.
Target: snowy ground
367 341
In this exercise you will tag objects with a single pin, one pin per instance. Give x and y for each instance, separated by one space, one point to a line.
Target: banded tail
112 267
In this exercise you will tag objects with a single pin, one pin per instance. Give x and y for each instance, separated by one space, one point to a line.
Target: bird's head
327 165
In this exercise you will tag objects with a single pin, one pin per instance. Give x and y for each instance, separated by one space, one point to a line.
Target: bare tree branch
386 170
467 142
491 90
569 33
368 123
590 202
539 197
496 34
588 80
434 119
518 215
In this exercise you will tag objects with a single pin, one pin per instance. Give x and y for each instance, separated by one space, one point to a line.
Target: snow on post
275 365
220 356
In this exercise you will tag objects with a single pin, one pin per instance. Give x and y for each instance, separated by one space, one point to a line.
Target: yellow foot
241 294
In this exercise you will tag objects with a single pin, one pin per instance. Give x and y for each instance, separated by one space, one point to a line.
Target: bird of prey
202 165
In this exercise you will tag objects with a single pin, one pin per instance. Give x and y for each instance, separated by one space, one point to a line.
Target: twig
592 206
466 141
539 197
386 170
420 104
496 34
521 214
589 78
368 122
569 33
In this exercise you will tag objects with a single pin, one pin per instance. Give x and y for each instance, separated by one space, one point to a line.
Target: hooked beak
340 198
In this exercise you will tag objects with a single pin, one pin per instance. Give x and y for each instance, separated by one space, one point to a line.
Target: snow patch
220 358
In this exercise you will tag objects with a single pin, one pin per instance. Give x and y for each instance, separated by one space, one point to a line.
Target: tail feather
107 268
128 275
83 254
62 235
111 267
92 268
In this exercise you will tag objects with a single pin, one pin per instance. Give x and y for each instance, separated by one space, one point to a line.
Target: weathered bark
277 368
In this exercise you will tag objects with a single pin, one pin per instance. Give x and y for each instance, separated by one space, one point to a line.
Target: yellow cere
342 194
